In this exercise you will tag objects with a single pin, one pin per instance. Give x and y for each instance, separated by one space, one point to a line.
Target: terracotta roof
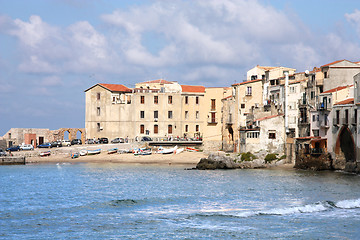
115 87
329 64
346 101
227 97
268 117
189 88
112 87
161 81
246 82
337 89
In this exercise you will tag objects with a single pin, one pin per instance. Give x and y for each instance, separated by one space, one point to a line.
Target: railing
212 120
317 151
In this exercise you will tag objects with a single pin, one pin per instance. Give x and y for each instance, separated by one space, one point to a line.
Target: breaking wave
309 208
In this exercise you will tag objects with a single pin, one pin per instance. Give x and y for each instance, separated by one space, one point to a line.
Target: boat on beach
112 150
93 152
190 149
169 150
142 151
83 152
44 154
75 155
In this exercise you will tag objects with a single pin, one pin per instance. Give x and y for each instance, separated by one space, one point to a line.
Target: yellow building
158 109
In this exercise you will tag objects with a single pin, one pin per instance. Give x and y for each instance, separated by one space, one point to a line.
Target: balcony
212 121
303 121
229 120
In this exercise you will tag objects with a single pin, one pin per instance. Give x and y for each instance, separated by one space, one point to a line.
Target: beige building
158 109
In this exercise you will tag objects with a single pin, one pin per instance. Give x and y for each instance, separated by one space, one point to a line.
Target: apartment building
158 109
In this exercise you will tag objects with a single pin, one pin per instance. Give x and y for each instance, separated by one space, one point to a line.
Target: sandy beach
184 158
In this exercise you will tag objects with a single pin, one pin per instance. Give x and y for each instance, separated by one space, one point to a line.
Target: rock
216 162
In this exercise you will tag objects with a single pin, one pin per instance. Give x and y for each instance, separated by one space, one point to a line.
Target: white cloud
354 18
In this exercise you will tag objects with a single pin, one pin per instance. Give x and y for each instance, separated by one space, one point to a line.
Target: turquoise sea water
115 201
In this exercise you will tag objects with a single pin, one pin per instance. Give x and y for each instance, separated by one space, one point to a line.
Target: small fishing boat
179 150
93 152
83 152
190 149
143 151
44 154
112 150
75 155
169 150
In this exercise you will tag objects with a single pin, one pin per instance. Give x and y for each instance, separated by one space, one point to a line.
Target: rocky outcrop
315 163
222 161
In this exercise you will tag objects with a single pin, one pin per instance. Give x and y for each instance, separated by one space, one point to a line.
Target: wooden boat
44 154
143 151
190 149
112 150
93 152
179 150
169 150
83 152
75 155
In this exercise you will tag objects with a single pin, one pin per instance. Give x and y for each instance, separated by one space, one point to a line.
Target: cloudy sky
51 51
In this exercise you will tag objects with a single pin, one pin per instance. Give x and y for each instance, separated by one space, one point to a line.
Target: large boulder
216 162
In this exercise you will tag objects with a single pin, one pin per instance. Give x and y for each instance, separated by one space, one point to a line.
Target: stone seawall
12 160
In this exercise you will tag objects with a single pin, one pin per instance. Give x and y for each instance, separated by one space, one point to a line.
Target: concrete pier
17 160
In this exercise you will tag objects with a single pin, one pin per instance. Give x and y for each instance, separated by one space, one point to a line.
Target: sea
119 201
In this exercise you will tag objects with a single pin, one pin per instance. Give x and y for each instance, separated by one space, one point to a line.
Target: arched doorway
345 146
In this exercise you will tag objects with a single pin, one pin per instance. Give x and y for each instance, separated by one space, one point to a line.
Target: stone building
158 109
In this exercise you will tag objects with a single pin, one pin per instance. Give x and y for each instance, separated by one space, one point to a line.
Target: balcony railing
212 120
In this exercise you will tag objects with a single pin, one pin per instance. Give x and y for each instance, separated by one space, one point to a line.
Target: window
243 105
98 127
186 128
128 99
213 117
197 128
98 96
98 111
253 77
317 118
272 135
170 114
142 99
156 129
197 100
186 100
312 95
213 104
156 99
142 114
293 89
314 118
325 75
169 99
170 130
248 91
337 119
142 129
186 114
197 114
156 114
355 116
346 116
316 133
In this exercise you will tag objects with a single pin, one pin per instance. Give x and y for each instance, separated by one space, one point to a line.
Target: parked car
103 140
26 147
146 139
118 140
13 148
44 145
90 141
65 143
76 141
2 153
56 144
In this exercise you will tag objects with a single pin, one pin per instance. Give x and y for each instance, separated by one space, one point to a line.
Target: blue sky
51 51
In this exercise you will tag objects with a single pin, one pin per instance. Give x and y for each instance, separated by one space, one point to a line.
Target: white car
65 143
26 147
